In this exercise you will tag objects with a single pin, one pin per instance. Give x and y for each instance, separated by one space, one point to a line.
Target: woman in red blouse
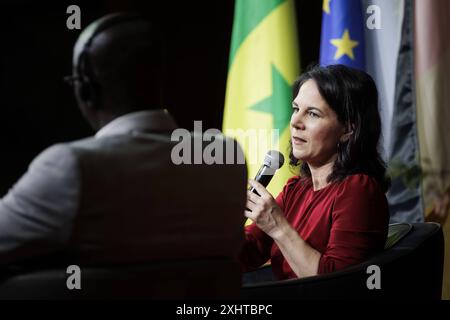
335 214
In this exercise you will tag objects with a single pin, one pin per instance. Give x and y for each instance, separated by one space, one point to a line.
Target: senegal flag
264 62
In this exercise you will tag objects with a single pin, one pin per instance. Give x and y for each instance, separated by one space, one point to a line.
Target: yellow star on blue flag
342 39
344 45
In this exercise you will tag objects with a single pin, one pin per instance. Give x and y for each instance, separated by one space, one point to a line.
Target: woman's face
315 129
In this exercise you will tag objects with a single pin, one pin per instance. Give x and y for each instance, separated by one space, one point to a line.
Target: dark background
39 109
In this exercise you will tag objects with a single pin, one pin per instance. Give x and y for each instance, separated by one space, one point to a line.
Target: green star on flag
281 96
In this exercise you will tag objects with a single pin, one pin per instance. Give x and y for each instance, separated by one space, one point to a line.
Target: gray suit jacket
118 197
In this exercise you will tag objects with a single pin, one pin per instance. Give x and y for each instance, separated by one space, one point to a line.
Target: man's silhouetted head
117 68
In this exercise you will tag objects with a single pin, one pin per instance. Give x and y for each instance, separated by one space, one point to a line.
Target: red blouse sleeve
359 224
257 246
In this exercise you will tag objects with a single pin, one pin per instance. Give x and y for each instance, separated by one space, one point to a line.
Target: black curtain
37 109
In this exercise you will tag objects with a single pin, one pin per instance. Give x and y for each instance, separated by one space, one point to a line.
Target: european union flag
342 40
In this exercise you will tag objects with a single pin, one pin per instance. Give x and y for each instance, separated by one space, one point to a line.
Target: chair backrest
412 268
188 279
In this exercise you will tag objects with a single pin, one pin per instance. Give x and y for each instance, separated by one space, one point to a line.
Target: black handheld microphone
272 161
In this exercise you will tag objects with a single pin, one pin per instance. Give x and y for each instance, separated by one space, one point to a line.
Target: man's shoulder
224 157
59 153
62 154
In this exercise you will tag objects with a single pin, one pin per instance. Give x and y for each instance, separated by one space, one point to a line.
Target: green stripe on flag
247 15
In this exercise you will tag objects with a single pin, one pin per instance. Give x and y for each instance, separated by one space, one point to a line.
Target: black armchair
410 268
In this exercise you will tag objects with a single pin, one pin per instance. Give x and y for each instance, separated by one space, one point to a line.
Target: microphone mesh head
274 159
